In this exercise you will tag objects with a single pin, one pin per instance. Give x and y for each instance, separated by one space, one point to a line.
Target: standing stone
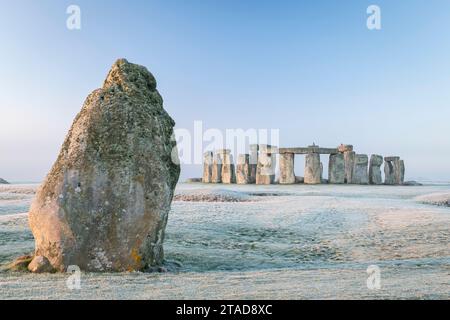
336 169
401 178
313 174
228 174
207 167
360 172
265 171
287 175
243 169
375 169
216 175
253 162
349 160
105 203
392 170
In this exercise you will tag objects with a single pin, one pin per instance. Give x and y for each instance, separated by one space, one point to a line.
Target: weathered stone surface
253 162
105 203
313 174
265 172
207 167
336 169
216 172
228 173
243 169
267 148
401 178
394 171
2 181
349 160
360 172
375 169
310 149
40 264
345 148
287 175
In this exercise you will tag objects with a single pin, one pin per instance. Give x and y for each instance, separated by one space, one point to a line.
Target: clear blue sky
310 68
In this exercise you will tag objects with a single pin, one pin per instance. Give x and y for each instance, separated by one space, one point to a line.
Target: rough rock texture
345 148
313 171
216 174
401 173
360 172
207 167
40 264
265 173
349 160
336 169
392 169
287 175
2 181
253 162
243 169
104 205
228 173
20 264
375 169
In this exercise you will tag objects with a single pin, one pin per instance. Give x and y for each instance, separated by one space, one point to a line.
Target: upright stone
228 174
265 171
312 169
253 162
349 161
336 169
360 172
216 175
243 169
375 169
104 205
402 172
287 175
207 167
392 170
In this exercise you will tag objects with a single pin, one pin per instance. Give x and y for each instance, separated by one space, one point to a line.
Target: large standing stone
401 178
392 170
216 173
228 174
336 169
104 205
360 172
375 169
265 172
207 167
313 171
253 162
287 175
243 169
349 160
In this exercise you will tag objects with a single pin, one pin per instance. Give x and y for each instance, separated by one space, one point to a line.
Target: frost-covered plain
280 242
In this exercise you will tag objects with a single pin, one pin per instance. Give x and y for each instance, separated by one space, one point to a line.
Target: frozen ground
280 242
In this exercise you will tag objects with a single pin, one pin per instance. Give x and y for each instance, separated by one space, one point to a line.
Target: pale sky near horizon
311 69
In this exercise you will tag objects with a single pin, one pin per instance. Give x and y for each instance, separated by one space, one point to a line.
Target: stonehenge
243 169
345 166
375 169
287 175
313 169
265 170
207 167
336 169
228 174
